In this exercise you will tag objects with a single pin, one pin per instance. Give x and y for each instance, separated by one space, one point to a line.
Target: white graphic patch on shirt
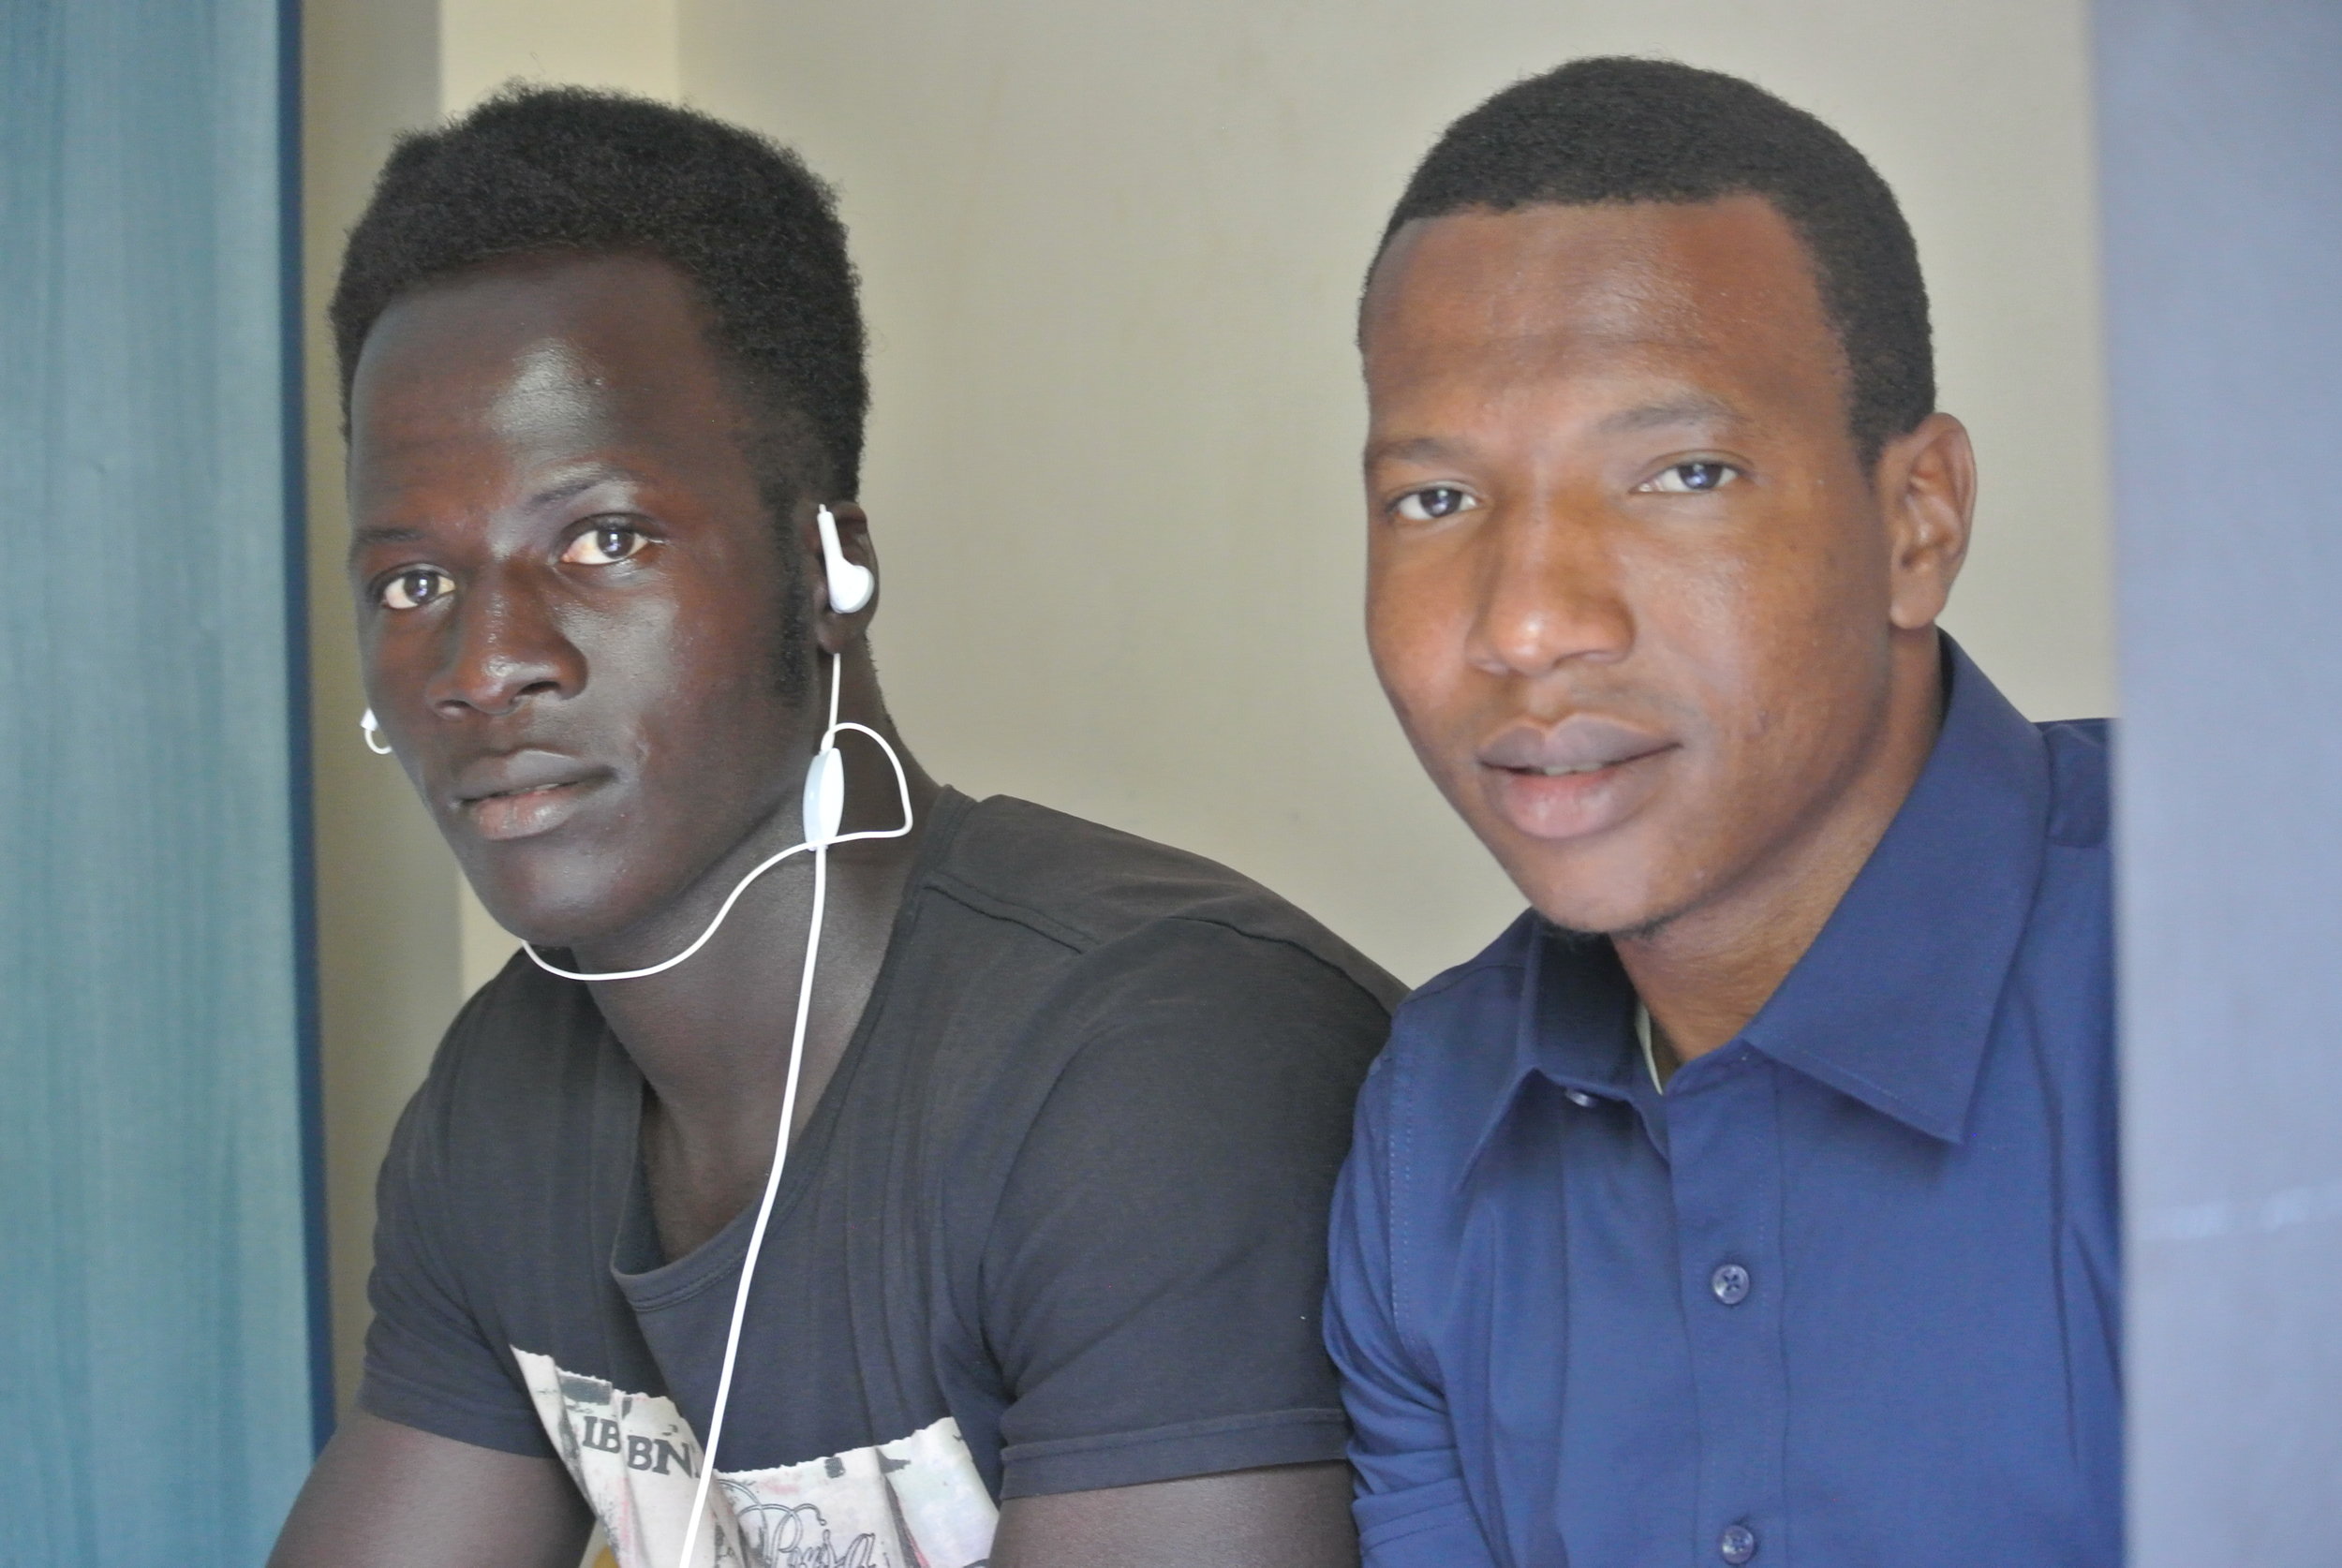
915 1502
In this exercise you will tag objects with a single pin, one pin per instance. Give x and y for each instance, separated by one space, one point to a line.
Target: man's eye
605 544
1692 478
1434 502
415 587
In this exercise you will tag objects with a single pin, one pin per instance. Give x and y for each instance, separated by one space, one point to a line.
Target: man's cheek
1434 728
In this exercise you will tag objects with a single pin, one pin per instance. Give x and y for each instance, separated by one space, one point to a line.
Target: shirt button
1578 1098
1737 1545
1730 1283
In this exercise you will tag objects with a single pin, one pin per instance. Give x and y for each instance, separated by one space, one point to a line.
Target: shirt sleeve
429 1364
1154 1273
1412 1508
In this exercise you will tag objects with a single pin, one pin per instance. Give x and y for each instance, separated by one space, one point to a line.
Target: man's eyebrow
1412 449
553 494
1689 409
376 534
381 533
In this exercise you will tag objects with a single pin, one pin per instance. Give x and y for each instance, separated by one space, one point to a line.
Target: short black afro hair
1615 129
552 168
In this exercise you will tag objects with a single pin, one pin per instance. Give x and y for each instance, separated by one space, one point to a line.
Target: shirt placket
1724 1154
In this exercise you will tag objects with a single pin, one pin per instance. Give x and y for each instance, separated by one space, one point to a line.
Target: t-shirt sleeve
429 1364
1410 1507
1155 1272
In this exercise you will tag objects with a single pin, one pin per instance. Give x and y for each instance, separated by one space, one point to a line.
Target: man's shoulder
511 1052
1500 969
2079 756
1475 1000
1453 1046
1105 894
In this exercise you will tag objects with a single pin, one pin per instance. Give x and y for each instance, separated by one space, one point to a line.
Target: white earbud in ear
824 795
368 728
849 584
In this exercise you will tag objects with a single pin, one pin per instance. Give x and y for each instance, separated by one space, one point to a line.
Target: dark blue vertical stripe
301 811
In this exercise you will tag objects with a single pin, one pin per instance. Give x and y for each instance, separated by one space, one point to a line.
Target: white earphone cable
789 1095
763 1211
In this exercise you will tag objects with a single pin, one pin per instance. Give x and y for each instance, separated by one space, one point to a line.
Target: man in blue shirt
1752 1198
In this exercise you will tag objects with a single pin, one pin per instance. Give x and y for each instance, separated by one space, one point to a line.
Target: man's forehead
1626 311
543 350
437 400
1614 273
549 387
585 318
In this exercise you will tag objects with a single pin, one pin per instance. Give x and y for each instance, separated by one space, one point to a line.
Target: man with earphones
1752 1198
851 1173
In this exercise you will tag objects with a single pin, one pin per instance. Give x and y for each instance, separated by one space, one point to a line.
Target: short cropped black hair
552 168
1616 129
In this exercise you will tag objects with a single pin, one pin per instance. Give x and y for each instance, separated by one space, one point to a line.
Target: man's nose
506 646
1551 592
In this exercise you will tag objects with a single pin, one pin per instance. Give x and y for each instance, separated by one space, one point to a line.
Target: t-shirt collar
1894 1002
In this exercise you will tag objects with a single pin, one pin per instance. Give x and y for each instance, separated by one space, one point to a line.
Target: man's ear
835 631
1927 495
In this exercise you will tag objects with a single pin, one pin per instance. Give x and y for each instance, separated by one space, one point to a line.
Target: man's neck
711 1037
1703 974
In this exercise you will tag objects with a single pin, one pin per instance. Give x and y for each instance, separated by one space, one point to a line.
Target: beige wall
595 44
387 951
1110 253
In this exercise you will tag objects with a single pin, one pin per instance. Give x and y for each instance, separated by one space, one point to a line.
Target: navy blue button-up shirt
1845 1294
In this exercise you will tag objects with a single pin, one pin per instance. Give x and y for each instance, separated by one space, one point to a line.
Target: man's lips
1579 776
523 793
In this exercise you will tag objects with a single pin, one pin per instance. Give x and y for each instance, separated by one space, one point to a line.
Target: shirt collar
1894 1002
1574 1024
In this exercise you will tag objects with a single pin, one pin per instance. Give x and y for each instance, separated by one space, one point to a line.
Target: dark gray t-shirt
1057 1223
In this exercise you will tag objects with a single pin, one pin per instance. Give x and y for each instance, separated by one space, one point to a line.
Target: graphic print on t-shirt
915 1502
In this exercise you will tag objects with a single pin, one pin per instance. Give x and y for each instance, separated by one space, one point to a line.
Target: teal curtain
157 1296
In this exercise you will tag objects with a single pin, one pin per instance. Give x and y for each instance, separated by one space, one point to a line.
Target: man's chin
1619 906
1584 926
1598 888
546 917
